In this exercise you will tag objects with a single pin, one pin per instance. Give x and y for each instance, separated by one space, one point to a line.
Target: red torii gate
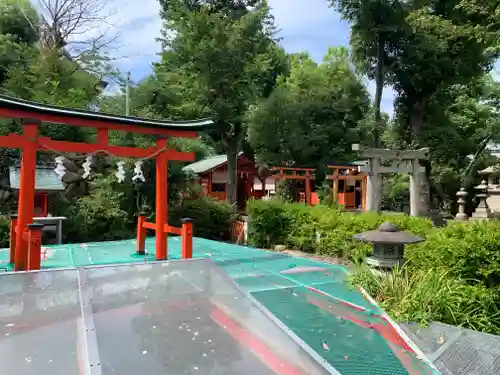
25 236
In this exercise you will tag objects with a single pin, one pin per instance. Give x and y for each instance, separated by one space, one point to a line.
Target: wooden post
45 204
187 238
34 241
335 185
249 186
161 201
140 247
13 238
26 193
209 193
363 194
308 188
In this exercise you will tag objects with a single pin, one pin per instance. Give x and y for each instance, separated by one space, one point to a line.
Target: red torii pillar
26 209
161 202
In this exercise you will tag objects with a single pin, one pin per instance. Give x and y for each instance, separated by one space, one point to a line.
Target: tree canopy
313 115
224 60
224 57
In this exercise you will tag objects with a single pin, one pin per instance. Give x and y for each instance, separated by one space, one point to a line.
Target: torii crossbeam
33 114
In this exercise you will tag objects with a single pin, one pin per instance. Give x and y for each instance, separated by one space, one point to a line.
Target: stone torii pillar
402 161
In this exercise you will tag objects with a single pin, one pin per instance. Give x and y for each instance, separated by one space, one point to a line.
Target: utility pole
129 137
127 95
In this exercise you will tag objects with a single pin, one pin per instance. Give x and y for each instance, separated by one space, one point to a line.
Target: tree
447 43
313 116
430 46
221 53
17 37
75 29
460 122
16 19
47 77
376 28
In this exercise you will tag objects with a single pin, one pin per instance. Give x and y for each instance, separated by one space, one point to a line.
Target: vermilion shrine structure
26 235
298 174
348 185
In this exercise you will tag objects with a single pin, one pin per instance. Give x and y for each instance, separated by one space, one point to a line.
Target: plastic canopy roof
176 317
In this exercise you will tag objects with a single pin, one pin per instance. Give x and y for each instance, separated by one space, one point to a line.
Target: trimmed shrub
98 217
320 229
4 231
468 250
269 223
212 219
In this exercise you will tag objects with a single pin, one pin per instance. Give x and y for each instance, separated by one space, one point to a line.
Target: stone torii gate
402 161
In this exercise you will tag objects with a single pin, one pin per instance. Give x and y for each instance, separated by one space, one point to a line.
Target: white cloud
310 26
139 27
133 25
313 26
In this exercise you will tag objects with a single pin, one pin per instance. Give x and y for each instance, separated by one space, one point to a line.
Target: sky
305 25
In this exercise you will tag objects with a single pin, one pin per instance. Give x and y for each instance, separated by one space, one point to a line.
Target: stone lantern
491 176
482 211
388 245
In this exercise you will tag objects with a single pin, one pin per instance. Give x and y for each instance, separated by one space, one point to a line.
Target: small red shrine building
303 175
348 184
212 176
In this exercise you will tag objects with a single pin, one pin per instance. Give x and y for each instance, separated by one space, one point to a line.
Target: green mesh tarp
311 298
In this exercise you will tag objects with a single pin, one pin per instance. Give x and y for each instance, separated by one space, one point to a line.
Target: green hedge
97 217
319 229
470 251
4 231
211 219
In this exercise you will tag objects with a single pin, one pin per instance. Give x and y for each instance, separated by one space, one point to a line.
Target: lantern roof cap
492 169
388 233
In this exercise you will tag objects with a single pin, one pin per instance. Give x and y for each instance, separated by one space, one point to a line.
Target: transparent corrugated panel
39 323
186 318
352 340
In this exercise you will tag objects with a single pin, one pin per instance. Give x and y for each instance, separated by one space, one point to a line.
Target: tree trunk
379 87
232 180
416 124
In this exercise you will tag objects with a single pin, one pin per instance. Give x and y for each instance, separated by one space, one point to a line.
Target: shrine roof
207 164
29 109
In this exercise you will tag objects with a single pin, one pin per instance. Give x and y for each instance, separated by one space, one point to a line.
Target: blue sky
306 25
